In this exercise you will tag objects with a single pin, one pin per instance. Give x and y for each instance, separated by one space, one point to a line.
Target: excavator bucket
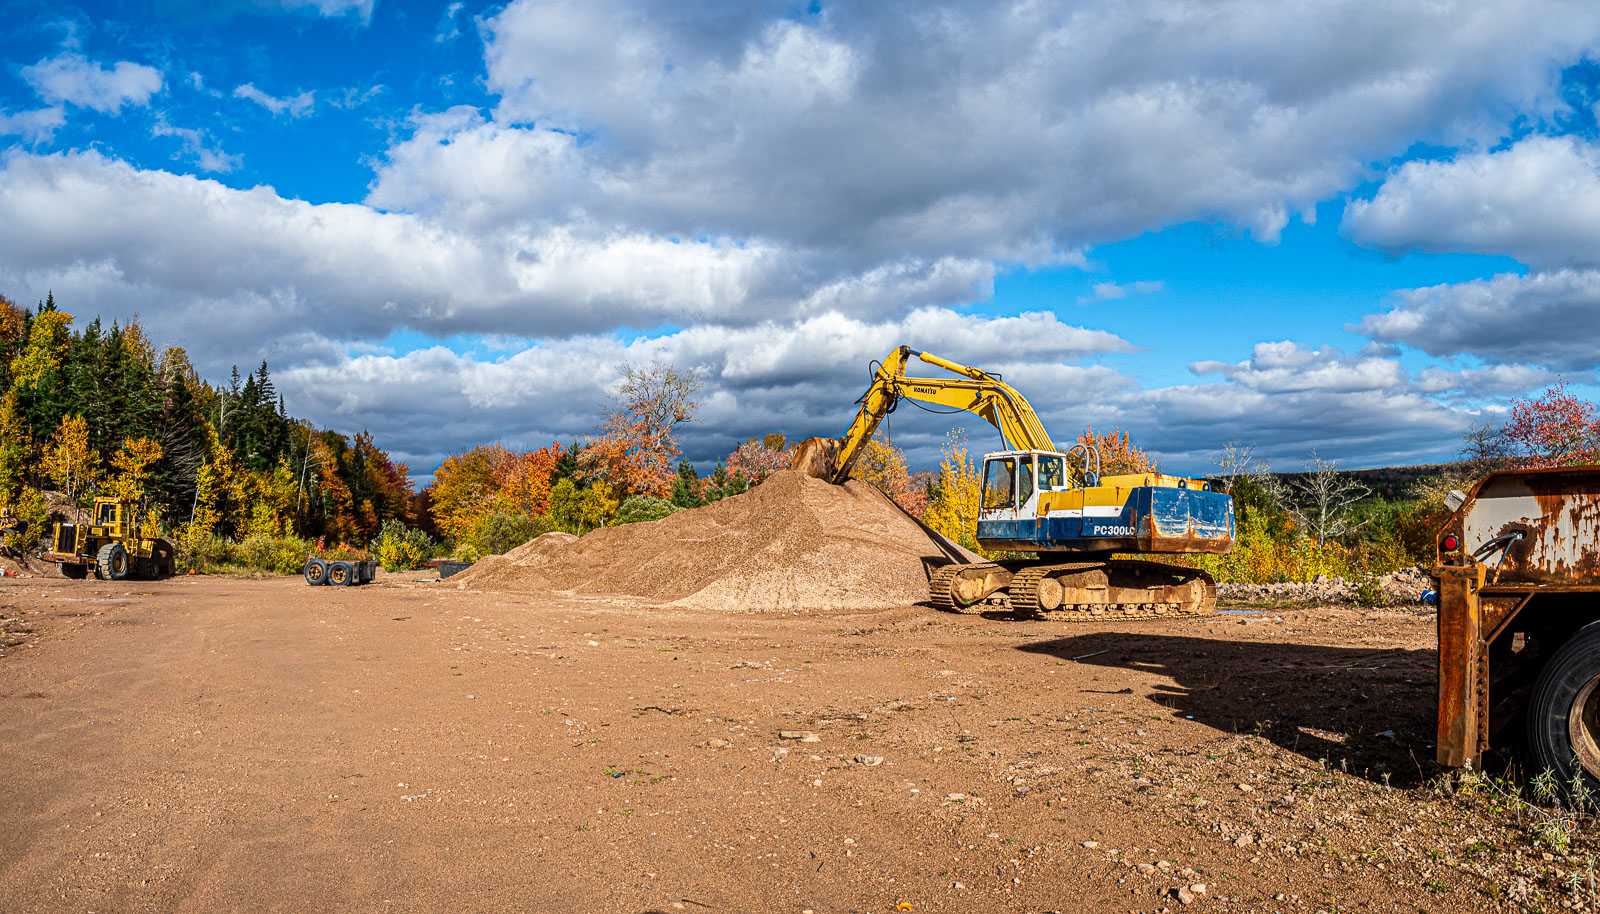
816 457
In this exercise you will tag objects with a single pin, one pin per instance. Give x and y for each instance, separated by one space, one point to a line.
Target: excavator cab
1013 481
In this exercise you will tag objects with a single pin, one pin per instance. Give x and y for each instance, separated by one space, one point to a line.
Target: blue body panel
1153 519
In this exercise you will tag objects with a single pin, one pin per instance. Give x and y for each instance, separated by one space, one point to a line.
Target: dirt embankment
791 544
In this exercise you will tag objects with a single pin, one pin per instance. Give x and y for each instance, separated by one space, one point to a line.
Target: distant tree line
97 410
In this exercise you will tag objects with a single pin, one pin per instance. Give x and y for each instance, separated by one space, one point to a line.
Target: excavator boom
976 392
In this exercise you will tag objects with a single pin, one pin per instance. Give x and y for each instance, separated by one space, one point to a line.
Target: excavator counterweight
1056 504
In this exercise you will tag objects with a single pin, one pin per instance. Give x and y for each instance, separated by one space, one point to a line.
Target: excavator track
1075 591
943 582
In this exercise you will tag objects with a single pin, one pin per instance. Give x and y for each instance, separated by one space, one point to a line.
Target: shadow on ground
1368 710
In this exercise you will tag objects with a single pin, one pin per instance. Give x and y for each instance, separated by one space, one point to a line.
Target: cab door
1009 498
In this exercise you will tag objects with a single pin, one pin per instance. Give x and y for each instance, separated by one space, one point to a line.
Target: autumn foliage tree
69 461
1118 454
1557 429
957 493
758 458
637 449
883 466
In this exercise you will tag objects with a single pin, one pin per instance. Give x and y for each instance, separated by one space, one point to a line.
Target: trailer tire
316 572
340 574
111 563
71 572
1564 714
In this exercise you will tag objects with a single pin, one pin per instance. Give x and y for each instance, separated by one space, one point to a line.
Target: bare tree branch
1324 497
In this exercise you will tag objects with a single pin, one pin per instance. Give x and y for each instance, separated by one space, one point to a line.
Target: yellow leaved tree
130 468
957 493
69 461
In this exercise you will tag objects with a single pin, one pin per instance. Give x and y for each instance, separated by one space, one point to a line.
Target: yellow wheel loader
113 547
1055 504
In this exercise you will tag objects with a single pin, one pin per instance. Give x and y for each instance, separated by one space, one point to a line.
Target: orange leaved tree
1118 455
637 449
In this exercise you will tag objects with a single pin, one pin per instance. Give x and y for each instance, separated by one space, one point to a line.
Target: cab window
1024 480
1051 474
998 483
108 516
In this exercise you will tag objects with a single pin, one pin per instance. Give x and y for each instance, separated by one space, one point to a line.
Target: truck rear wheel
111 563
1564 715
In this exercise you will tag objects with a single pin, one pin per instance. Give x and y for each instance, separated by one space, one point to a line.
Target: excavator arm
975 391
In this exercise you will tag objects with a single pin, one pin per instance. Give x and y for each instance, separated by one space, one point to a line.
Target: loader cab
113 517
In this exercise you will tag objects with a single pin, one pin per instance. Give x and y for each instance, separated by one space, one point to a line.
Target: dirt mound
791 543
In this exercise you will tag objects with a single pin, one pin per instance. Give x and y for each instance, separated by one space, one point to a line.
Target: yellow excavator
1055 504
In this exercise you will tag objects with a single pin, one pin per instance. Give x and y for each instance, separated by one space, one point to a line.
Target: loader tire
111 563
316 572
72 572
1564 718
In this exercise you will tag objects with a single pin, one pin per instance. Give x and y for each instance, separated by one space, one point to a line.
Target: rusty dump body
1518 573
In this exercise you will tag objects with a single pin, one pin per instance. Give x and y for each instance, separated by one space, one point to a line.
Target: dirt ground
207 744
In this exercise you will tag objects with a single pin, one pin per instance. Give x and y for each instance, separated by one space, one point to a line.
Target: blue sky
453 223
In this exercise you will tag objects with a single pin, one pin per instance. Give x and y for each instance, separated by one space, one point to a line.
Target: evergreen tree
686 487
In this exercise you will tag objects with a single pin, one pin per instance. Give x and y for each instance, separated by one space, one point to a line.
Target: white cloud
1286 367
1010 131
198 147
115 236
801 191
1547 319
296 105
801 377
1491 381
448 28
74 79
360 9
1537 201
33 126
1110 291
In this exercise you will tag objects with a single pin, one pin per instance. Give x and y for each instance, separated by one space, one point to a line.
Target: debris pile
791 544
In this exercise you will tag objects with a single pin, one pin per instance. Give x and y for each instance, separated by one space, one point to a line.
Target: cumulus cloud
296 106
779 196
800 377
1286 367
33 126
74 79
1010 131
111 235
1537 201
1547 319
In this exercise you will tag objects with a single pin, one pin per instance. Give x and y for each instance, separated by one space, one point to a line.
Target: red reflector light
1450 543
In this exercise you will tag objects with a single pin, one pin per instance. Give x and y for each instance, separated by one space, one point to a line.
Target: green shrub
500 532
277 554
643 508
202 555
398 548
